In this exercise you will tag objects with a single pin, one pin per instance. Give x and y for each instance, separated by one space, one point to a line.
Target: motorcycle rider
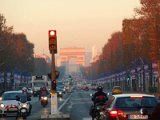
25 91
43 91
98 98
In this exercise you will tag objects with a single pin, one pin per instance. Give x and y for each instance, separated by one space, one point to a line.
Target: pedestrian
156 113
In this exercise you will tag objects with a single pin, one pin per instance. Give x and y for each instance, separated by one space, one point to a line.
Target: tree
150 12
15 50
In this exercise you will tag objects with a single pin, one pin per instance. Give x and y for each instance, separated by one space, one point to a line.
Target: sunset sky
79 23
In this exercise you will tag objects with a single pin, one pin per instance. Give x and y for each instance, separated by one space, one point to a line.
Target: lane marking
64 102
86 118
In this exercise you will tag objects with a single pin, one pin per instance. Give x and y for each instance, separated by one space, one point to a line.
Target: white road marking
87 119
64 103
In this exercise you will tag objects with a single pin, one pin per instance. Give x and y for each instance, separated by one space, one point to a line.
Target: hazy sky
79 23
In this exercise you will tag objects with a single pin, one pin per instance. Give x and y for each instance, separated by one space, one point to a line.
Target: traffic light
53 82
52 41
53 87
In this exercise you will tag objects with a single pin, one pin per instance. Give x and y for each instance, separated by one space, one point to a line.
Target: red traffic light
52 32
52 41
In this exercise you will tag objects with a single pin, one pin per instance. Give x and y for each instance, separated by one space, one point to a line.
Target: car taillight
115 113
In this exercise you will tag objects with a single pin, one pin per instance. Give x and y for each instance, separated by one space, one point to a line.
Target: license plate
23 110
12 109
141 117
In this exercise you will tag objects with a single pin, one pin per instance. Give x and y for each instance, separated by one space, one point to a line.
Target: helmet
24 89
43 88
99 88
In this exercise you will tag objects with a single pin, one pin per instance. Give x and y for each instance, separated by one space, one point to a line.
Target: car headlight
60 93
2 105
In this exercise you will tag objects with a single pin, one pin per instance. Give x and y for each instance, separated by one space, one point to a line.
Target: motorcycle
24 108
44 100
99 112
98 109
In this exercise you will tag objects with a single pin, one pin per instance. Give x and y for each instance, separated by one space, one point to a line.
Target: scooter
23 112
24 108
99 113
44 100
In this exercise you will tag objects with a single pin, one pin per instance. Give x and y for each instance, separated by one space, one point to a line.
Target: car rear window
131 102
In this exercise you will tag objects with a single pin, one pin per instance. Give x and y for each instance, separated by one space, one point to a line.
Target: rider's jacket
99 97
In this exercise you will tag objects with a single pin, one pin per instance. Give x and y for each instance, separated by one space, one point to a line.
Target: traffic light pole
54 74
54 106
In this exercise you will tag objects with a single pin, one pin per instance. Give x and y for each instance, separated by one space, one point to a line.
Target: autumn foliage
16 52
140 38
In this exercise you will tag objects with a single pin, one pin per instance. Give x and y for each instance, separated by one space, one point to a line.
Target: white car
1 108
9 104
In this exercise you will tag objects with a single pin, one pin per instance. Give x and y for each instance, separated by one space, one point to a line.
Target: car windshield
134 102
39 84
11 96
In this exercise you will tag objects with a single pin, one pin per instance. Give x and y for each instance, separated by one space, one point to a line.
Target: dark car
59 92
130 107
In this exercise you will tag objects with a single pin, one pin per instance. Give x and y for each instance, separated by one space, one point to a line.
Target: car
59 92
130 106
10 103
116 90
2 109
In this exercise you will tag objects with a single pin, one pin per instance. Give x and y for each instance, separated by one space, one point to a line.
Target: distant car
86 88
116 90
9 104
130 107
61 87
59 92
30 92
